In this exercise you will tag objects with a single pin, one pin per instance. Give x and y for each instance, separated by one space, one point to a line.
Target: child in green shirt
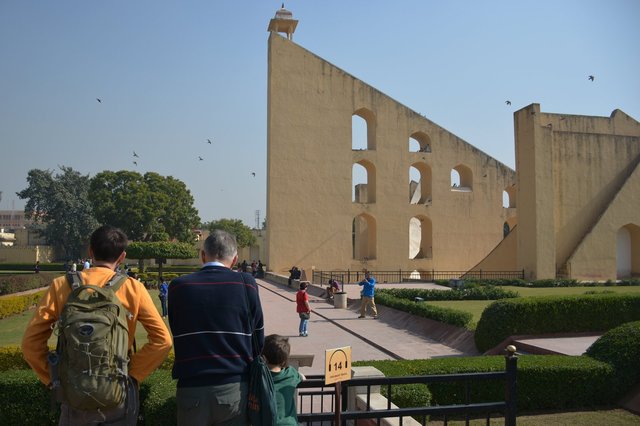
285 379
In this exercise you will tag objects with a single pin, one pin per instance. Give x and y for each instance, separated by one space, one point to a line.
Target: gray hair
220 245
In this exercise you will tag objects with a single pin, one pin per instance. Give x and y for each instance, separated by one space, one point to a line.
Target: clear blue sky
173 74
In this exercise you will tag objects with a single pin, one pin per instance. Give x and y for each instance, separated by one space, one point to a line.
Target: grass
476 307
617 417
12 328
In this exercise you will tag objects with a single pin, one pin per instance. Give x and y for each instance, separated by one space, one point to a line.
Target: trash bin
340 299
456 284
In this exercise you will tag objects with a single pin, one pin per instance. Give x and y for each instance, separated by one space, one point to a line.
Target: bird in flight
209 141
254 174
135 162
200 158
135 155
99 100
592 78
507 102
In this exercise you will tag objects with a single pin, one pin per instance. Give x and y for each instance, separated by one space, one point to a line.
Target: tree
160 251
60 204
147 208
244 236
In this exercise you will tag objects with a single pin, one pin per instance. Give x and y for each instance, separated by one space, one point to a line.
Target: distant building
13 219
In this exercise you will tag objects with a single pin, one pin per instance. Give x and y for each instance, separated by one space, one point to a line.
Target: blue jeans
303 325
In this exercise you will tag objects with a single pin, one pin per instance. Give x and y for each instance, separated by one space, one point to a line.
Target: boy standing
285 379
303 309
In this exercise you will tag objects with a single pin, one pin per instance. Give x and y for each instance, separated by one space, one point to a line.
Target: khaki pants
366 301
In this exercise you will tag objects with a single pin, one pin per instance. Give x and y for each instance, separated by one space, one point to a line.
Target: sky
172 74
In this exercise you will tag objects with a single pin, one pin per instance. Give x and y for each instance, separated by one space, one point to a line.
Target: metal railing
323 409
401 276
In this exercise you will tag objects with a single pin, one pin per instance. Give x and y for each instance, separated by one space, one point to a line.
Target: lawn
475 307
12 328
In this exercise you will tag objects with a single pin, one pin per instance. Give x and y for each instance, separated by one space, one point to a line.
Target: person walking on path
163 290
209 312
368 290
285 379
107 247
303 309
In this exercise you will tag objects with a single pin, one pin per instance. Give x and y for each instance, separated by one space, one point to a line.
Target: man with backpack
94 372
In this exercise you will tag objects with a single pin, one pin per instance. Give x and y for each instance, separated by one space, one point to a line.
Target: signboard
337 365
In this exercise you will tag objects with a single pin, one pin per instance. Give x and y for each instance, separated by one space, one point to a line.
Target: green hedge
10 284
474 293
57 267
553 314
17 304
620 347
25 401
446 315
542 283
544 381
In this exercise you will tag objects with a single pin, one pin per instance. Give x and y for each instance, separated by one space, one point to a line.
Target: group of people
257 268
213 313
72 265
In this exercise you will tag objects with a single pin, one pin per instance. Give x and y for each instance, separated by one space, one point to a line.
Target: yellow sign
337 365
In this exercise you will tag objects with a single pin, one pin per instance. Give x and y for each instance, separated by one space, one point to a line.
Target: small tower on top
283 22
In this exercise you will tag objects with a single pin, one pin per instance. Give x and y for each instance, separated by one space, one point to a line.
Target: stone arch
628 251
363 182
461 178
509 197
370 119
420 237
419 142
364 234
420 189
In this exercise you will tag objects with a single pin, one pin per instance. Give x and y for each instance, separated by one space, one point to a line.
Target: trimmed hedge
620 347
544 381
542 283
25 401
437 313
474 293
553 314
10 284
18 304
58 267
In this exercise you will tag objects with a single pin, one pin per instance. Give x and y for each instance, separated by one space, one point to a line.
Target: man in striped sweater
212 314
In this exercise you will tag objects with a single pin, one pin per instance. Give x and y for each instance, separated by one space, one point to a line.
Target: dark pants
163 303
124 415
213 405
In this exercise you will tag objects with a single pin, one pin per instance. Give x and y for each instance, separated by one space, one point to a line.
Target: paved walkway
395 335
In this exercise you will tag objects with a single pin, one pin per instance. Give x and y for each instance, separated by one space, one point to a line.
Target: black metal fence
400 276
317 405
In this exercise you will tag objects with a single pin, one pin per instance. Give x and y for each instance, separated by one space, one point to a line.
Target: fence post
511 386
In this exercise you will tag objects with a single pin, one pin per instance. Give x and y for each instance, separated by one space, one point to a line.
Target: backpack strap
116 281
74 279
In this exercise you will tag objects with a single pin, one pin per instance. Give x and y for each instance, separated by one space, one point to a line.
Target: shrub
473 293
24 400
57 267
17 304
552 314
11 359
10 284
620 347
437 313
544 381
158 399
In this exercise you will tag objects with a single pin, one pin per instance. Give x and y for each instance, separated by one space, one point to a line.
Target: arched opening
628 251
509 197
420 238
420 184
363 179
364 237
461 178
363 128
419 142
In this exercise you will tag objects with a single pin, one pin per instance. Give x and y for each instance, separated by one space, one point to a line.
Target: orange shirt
134 298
